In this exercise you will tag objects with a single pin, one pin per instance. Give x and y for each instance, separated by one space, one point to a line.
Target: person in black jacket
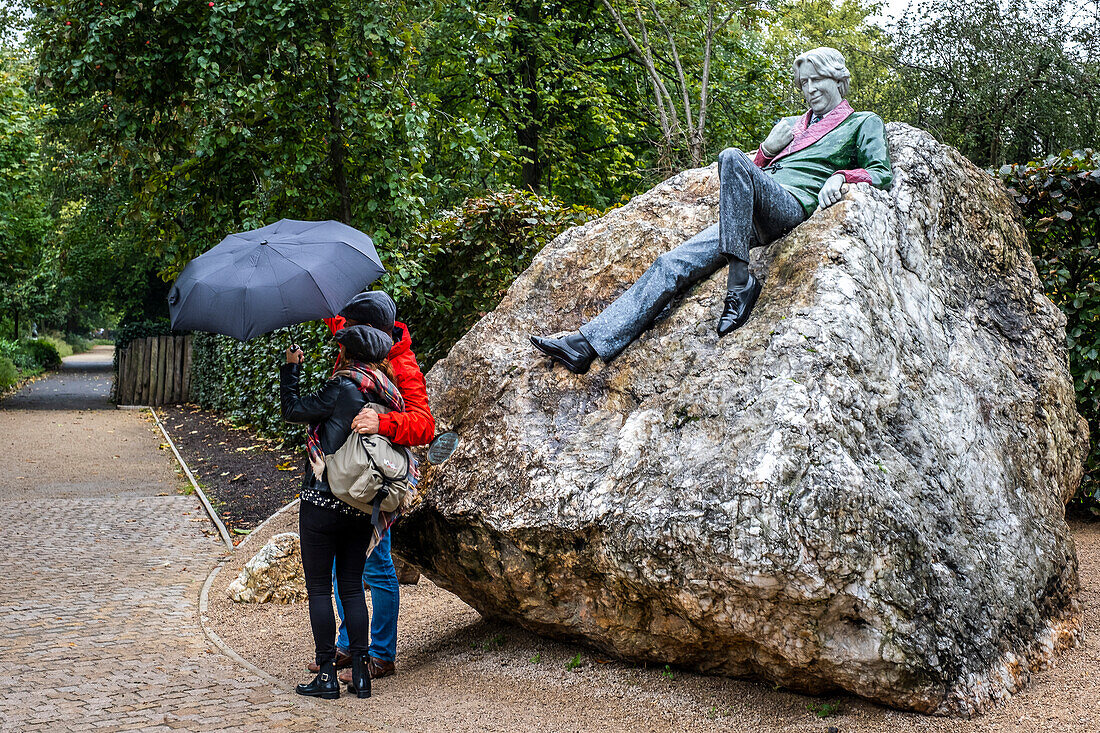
331 530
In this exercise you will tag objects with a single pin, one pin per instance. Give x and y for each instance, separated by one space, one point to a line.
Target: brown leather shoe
342 661
379 668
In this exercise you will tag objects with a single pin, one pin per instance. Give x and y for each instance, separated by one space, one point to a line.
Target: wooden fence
155 370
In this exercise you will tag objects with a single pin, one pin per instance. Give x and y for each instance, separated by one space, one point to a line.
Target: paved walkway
102 562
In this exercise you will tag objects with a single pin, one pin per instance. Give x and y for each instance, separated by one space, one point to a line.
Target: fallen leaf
238 477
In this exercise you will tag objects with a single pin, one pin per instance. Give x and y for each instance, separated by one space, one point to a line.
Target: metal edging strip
202 497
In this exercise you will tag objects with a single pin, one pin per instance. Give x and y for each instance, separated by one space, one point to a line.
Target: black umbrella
285 273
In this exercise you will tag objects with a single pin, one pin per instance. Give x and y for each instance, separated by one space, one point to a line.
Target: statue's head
823 78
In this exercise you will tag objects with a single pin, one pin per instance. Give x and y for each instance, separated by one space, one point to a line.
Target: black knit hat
364 343
374 308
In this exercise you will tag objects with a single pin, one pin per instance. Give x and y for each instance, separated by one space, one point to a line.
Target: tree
653 38
532 94
25 263
1001 81
213 117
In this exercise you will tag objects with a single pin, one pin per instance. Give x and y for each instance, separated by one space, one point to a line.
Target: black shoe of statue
324 684
573 351
360 676
739 303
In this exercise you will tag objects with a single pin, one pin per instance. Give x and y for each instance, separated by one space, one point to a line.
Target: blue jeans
385 600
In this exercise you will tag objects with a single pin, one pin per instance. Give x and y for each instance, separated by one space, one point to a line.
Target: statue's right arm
779 138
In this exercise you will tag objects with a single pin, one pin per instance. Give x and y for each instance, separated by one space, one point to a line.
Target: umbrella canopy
278 275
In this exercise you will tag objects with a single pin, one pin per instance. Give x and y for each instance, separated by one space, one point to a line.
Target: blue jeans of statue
385 598
753 210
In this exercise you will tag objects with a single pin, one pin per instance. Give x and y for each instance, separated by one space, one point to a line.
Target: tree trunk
336 154
15 317
529 129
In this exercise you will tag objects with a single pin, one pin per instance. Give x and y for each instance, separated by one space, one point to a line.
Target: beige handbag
368 467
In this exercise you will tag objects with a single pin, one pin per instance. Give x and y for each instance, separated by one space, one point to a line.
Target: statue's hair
829 63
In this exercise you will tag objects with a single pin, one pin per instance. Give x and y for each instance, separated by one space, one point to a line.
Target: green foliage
30 356
206 120
241 379
824 709
25 260
573 663
44 353
1060 199
999 80
468 257
60 346
9 375
78 343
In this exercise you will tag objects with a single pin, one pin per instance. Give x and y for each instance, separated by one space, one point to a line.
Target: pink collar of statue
806 134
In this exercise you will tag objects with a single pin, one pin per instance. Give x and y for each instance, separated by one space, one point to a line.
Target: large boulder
861 489
272 575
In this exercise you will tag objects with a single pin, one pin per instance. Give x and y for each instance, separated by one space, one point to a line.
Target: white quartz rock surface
273 575
861 489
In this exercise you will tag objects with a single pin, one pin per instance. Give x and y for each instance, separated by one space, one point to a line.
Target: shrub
30 356
62 347
241 379
43 353
1060 200
9 375
78 343
467 258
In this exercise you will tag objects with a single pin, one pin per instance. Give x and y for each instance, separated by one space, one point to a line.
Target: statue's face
820 92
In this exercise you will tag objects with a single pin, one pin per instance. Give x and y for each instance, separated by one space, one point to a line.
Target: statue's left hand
832 191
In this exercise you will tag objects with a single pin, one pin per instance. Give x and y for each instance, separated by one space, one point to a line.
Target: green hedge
9 375
241 379
447 275
1060 200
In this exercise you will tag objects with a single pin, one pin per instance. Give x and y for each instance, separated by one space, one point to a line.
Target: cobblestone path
101 565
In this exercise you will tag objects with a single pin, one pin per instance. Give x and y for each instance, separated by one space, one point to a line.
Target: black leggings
327 535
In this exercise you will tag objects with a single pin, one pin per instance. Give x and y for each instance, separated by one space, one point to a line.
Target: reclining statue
804 164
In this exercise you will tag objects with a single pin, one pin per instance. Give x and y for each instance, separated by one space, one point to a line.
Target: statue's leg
750 201
752 209
635 310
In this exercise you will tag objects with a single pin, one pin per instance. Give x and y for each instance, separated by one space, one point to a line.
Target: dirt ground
458 672
246 478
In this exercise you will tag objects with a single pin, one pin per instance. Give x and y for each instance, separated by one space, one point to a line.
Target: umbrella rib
333 307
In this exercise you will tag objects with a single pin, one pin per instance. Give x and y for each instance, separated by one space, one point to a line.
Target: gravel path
102 563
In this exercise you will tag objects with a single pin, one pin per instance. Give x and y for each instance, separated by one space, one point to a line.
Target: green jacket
843 141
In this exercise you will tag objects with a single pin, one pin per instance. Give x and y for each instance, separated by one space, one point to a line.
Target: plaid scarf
371 382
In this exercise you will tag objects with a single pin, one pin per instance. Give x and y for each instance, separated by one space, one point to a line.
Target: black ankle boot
738 306
324 684
572 351
360 676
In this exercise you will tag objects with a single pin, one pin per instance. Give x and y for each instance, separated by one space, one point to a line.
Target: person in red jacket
414 426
